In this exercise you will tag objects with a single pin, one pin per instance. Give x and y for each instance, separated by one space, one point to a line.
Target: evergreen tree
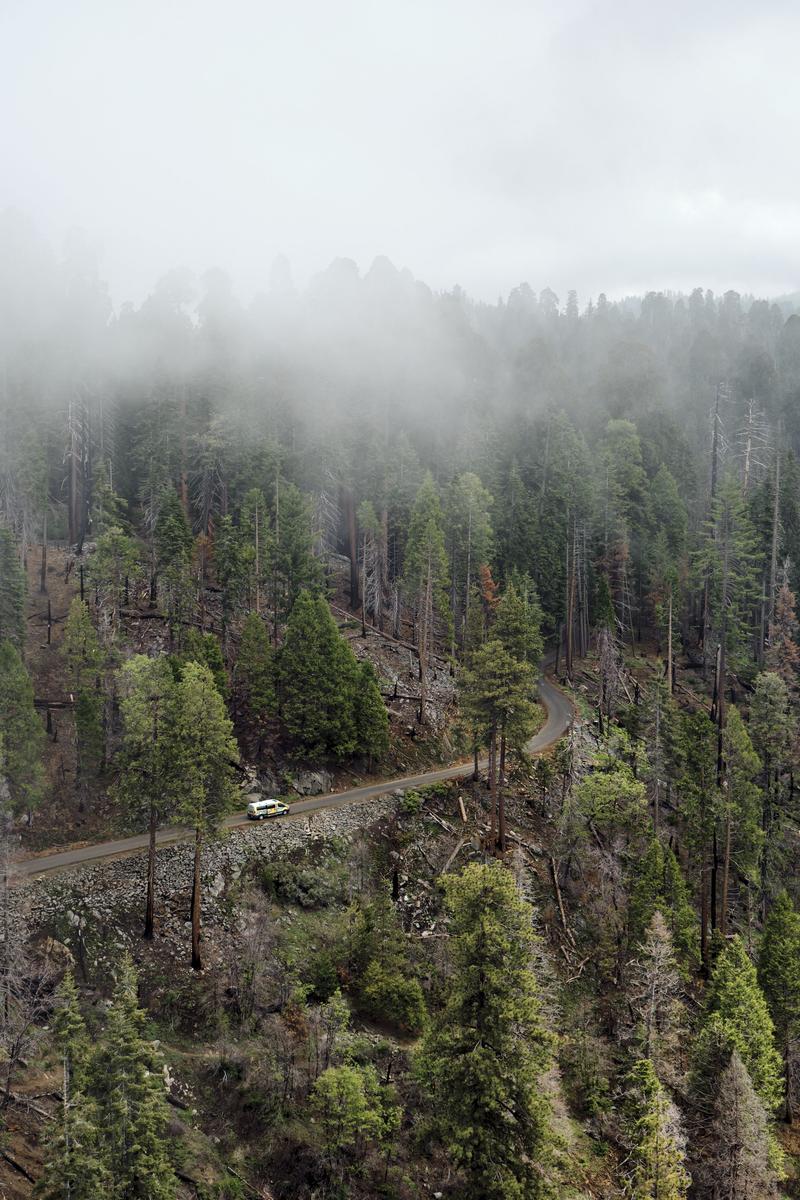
172 558
204 755
12 591
426 576
84 659
21 736
370 715
74 1167
254 672
318 675
656 1162
779 976
740 805
468 540
113 566
496 699
773 728
231 569
738 1163
129 1085
483 1056
517 625
737 1018
146 760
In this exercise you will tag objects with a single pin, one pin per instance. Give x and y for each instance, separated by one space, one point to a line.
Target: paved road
559 719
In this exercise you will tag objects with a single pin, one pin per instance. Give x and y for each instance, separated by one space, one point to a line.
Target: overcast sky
613 146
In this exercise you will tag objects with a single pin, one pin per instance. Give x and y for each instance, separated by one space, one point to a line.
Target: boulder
311 783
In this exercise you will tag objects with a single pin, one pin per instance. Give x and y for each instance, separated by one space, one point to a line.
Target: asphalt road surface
559 719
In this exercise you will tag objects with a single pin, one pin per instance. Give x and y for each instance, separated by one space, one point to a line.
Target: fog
610 148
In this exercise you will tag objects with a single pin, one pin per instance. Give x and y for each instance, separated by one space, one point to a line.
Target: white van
257 810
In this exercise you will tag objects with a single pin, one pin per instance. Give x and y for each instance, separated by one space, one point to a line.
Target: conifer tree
172 558
369 714
318 675
74 1167
659 886
129 1085
738 1158
144 785
517 625
113 566
84 659
773 726
740 805
254 673
657 1159
779 976
482 1058
737 1018
426 576
21 736
204 755
496 699
468 538
12 591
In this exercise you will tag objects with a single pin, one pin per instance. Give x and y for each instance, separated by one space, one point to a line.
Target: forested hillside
333 537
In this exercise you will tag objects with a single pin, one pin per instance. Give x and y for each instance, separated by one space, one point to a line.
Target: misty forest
486 613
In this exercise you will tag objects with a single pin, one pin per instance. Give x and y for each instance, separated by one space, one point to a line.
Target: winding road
559 719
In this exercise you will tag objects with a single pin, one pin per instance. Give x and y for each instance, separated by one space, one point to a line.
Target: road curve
559 719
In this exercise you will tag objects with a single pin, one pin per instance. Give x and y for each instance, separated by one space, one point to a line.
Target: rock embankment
96 901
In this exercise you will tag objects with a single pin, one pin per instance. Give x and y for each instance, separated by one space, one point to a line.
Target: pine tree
773 726
737 1018
779 976
129 1085
12 591
172 558
21 736
496 699
738 1160
84 659
426 577
318 677
740 808
254 672
113 566
483 1056
369 713
468 540
203 755
517 625
144 785
74 1167
656 1162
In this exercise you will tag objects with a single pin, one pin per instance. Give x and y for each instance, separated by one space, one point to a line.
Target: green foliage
426 576
331 705
656 1163
12 591
254 673
496 691
353 1109
741 798
385 983
610 796
658 884
172 548
517 625
114 565
21 736
305 884
779 969
80 647
146 760
202 648
127 1078
737 1018
370 715
481 1060
204 751
109 510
